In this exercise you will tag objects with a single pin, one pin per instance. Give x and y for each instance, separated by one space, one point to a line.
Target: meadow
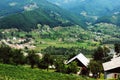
9 72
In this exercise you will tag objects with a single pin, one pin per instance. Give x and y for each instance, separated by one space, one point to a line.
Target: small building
81 60
112 68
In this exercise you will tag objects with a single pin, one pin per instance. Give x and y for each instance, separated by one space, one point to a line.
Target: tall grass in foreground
8 72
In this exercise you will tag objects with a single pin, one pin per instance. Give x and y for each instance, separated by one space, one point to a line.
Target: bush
72 68
11 56
63 68
46 61
42 65
60 66
33 58
95 67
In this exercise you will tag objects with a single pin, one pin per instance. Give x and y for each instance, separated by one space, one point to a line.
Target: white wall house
82 61
81 58
112 68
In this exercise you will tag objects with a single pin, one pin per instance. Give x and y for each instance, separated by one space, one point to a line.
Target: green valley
63 37
59 40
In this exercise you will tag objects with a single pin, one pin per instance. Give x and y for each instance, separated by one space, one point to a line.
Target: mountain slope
38 12
91 10
91 7
114 19
8 7
15 6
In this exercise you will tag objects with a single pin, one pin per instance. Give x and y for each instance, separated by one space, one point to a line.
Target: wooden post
105 75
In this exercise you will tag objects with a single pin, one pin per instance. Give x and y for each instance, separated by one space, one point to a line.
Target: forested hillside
90 7
37 12
114 19
92 10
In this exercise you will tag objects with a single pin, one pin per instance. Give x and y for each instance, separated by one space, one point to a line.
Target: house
82 62
112 68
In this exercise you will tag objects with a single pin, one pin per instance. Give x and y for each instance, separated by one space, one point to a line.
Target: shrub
72 68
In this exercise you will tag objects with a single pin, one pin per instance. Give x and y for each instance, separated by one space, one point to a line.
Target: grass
48 42
9 72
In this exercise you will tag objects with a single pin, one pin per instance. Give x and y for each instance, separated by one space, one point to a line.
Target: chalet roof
80 57
113 64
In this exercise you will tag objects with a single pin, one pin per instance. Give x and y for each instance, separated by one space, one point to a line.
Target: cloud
31 0
13 4
57 3
67 1
82 0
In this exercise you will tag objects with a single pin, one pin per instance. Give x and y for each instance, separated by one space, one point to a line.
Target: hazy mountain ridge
114 19
91 7
26 14
37 12
91 10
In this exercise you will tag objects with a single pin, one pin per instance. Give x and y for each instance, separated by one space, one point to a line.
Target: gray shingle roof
114 63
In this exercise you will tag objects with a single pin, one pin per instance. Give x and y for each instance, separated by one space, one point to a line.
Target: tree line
17 57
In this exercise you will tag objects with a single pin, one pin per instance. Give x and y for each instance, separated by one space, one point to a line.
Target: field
66 37
48 42
8 72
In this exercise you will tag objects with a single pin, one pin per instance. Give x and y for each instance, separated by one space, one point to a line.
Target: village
19 43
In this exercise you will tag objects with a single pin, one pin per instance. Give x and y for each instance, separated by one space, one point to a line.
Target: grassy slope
55 43
8 72
64 33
